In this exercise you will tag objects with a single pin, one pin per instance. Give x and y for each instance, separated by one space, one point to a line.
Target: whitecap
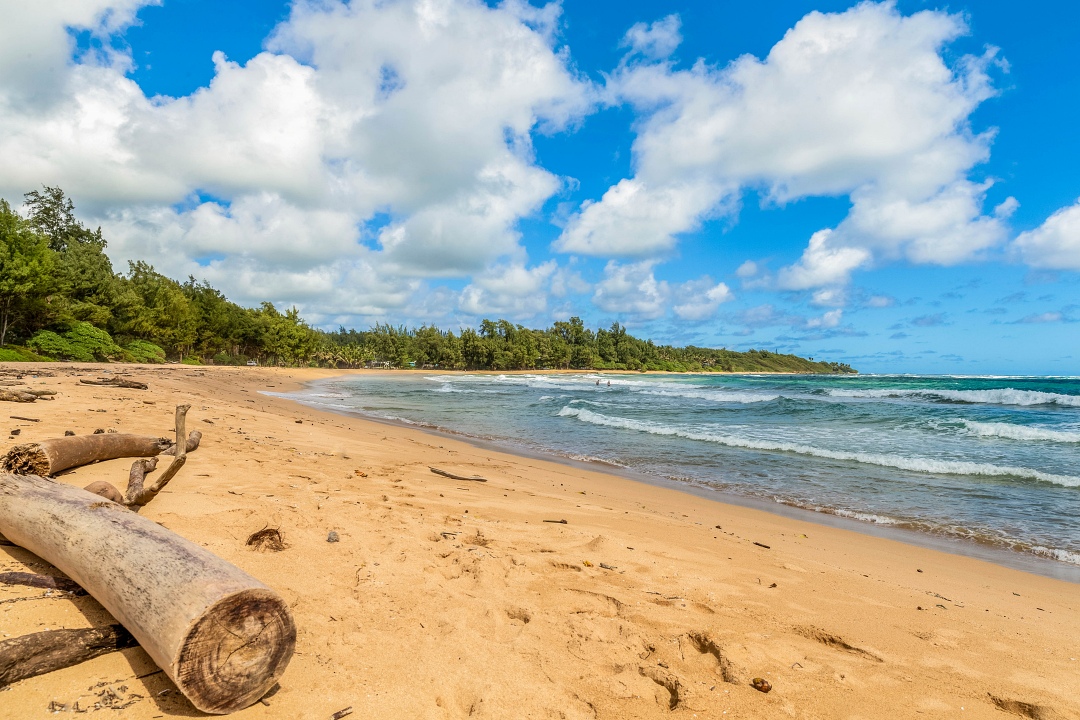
1020 432
900 462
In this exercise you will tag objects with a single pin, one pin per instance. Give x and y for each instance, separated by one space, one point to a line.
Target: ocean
984 462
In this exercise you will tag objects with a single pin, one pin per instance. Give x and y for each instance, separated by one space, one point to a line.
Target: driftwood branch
54 455
452 476
43 652
116 382
193 440
137 494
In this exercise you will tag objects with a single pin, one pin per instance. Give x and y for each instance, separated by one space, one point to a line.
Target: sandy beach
452 599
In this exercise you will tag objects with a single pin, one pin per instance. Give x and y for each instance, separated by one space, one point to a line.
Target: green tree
26 265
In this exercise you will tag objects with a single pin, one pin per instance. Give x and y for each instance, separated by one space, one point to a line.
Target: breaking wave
900 462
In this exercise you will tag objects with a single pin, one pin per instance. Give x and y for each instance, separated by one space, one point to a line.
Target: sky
891 185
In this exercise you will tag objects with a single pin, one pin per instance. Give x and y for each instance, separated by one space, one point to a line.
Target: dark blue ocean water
989 460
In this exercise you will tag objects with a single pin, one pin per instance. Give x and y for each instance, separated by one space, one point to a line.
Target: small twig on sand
452 476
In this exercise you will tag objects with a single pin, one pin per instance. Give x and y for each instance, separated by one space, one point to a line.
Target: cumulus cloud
1055 244
656 40
512 290
632 289
860 103
416 111
699 299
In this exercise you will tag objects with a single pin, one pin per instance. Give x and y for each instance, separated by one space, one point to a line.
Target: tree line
61 299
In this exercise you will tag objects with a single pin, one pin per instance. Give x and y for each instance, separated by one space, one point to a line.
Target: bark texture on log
49 457
222 636
43 652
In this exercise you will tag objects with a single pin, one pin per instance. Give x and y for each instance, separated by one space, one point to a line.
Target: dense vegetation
61 299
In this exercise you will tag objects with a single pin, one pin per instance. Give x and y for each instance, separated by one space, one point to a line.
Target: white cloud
1055 244
822 263
510 290
420 111
699 299
633 218
747 270
656 40
829 297
859 103
829 320
632 289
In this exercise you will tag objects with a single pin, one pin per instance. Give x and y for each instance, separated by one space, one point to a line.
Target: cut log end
28 459
236 652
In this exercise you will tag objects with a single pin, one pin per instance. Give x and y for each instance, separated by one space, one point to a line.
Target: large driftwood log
54 455
43 652
222 636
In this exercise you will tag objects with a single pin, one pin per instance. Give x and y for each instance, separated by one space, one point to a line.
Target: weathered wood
49 582
179 448
452 476
106 490
135 493
16 396
43 652
54 455
116 382
194 438
222 636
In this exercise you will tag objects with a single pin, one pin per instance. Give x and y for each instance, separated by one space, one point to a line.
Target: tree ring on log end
236 651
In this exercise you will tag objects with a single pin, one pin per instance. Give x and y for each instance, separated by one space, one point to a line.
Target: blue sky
888 184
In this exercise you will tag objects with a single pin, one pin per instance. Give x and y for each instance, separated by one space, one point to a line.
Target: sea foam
900 462
998 396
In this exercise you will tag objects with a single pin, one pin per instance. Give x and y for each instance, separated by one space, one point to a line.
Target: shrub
18 354
142 351
92 341
82 342
49 343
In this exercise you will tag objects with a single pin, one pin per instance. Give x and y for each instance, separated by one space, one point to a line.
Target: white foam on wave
900 462
720 396
1057 554
865 517
998 396
1020 432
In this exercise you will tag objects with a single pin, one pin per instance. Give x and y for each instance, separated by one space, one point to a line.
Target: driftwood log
49 582
54 455
222 636
43 652
117 382
16 396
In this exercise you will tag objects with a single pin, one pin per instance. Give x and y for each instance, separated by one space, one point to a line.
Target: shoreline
447 599
1004 557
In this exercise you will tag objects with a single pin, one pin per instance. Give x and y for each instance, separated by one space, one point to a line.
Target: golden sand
451 599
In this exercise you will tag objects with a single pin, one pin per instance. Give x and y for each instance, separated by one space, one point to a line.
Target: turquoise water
988 460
